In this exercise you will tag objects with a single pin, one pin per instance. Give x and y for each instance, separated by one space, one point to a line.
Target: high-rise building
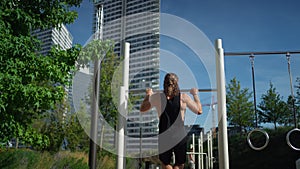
136 22
53 36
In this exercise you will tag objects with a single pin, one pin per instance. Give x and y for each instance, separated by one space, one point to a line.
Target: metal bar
196 153
254 91
95 96
121 126
260 53
200 142
94 115
288 57
222 114
182 90
193 150
208 149
211 150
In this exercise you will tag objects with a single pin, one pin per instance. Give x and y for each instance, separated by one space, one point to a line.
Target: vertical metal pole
201 151
123 108
193 150
173 157
95 94
211 150
253 88
213 113
94 116
208 149
288 57
211 153
143 85
193 143
140 159
120 148
221 97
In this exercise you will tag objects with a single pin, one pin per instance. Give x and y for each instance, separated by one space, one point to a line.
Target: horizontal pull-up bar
182 90
261 53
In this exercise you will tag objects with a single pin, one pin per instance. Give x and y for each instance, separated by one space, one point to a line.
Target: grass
28 159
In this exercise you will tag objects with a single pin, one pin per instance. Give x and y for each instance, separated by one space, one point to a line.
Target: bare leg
167 166
180 166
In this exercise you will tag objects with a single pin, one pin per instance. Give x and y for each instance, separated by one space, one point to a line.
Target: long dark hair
171 87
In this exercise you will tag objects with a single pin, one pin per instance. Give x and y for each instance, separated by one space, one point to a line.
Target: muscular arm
198 103
153 100
194 104
146 105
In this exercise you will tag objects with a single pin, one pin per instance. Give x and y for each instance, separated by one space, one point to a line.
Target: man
171 107
191 158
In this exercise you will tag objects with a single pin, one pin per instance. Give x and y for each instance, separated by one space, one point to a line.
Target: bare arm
194 104
146 105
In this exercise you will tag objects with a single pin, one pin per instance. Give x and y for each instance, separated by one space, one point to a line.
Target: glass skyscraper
53 36
136 22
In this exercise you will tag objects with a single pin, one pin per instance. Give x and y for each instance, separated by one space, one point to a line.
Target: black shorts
179 151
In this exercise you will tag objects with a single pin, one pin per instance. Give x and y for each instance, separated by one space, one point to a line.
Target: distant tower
136 22
53 36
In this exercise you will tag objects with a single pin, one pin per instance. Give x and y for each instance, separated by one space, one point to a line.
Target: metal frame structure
221 101
181 90
260 53
209 159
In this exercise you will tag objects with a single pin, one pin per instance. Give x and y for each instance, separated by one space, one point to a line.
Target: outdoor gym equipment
296 129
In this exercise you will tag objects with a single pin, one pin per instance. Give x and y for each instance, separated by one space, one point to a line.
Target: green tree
77 139
272 108
102 50
60 126
289 116
31 84
107 109
53 128
240 110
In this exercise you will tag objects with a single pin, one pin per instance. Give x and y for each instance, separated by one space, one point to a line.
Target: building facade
136 22
53 36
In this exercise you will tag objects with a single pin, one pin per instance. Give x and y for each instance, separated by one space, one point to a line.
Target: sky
243 26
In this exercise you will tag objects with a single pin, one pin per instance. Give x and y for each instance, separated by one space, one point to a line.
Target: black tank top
170 114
